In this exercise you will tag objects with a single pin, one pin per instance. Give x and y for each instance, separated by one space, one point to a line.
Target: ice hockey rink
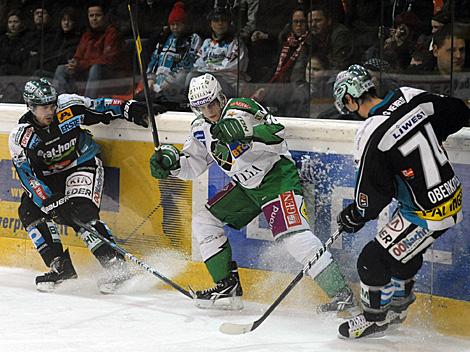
145 317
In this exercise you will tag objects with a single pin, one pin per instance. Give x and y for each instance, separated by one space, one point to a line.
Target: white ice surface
78 318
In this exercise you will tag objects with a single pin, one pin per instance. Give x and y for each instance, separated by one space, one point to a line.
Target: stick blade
235 329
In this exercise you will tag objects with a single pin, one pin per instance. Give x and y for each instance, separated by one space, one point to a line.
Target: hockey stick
131 257
138 46
238 329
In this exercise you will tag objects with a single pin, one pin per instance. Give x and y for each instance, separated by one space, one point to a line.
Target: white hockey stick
238 329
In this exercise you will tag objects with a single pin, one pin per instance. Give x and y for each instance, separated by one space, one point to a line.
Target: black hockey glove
136 112
165 159
58 207
350 220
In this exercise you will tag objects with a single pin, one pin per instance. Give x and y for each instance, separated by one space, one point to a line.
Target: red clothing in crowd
106 48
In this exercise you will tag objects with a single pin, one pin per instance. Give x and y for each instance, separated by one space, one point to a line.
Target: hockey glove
230 129
58 207
165 159
350 220
134 111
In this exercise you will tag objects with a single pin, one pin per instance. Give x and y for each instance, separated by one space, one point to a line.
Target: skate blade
349 312
46 287
108 288
375 335
395 319
229 303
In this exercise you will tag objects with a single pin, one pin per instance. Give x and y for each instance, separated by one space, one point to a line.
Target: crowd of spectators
283 53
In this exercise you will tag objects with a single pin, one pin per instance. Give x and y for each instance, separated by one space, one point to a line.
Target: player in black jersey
399 155
59 166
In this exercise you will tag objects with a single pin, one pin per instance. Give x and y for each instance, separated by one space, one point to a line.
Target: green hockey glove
230 129
165 159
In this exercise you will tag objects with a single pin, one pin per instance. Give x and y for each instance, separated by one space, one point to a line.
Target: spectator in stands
245 13
331 39
101 54
40 39
287 92
294 50
65 42
173 58
265 43
364 19
423 9
400 43
12 45
222 55
422 60
318 78
448 58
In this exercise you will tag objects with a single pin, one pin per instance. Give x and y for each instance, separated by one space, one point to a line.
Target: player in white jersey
247 143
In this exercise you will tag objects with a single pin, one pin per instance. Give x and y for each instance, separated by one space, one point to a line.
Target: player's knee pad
303 246
84 210
372 267
46 239
209 232
408 269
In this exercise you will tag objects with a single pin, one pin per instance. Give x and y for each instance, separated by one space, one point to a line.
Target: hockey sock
46 239
219 264
331 280
100 250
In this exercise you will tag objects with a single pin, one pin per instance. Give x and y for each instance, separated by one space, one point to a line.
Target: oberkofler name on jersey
444 191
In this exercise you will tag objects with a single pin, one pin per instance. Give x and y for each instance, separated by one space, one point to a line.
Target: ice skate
226 294
359 326
343 301
118 273
399 309
61 270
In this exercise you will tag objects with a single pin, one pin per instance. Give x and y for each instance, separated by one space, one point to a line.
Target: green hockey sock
219 264
331 280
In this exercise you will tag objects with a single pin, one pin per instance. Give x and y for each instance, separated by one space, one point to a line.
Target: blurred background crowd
284 53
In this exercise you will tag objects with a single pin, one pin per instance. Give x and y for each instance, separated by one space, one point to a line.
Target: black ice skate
117 273
61 269
344 300
359 326
226 294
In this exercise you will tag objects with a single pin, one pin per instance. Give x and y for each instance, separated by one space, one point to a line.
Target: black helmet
39 92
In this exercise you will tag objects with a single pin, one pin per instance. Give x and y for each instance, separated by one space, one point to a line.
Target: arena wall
149 217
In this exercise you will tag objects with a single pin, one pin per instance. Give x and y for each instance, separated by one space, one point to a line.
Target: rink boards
145 214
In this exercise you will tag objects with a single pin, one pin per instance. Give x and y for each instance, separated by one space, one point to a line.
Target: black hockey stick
150 111
238 329
131 257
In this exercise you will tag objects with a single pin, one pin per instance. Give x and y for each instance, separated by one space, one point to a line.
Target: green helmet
39 92
355 82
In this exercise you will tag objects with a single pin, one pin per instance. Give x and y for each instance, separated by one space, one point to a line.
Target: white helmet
204 90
